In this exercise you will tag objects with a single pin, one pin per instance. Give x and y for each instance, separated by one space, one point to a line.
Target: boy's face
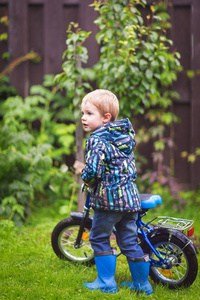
91 117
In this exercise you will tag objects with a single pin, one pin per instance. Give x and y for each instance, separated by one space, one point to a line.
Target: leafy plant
135 61
33 137
22 169
74 80
137 64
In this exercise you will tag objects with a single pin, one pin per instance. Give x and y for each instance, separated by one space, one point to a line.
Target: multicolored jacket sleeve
96 152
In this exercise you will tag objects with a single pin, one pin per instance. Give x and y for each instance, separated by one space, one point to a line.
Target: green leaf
190 74
149 73
153 36
117 7
143 64
3 36
159 145
17 208
11 200
162 59
197 151
76 101
191 158
18 185
74 37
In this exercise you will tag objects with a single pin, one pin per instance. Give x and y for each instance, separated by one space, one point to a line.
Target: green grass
29 269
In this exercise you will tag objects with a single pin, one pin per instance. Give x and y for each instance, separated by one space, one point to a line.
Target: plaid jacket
110 167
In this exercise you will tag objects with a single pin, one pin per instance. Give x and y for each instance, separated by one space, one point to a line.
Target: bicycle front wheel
180 258
63 241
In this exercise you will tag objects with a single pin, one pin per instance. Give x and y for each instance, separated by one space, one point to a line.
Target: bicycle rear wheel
181 259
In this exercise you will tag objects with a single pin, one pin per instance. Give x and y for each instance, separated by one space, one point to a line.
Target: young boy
110 171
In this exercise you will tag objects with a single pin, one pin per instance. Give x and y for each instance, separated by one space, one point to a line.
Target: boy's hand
78 166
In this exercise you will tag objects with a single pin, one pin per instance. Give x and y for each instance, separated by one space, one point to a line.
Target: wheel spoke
67 241
174 256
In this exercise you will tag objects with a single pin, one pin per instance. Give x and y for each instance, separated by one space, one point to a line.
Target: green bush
138 64
34 138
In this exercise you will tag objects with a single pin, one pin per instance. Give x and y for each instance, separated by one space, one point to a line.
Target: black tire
63 240
184 265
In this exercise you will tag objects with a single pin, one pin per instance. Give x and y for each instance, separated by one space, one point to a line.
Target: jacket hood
118 133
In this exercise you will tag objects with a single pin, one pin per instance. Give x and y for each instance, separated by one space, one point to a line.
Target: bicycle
172 254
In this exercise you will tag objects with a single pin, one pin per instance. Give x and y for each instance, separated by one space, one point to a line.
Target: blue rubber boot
106 265
139 268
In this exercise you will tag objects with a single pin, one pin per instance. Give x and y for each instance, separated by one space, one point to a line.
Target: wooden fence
40 25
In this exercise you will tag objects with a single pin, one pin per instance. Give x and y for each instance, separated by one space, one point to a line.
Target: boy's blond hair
105 101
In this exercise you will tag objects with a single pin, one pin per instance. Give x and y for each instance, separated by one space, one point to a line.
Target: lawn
31 270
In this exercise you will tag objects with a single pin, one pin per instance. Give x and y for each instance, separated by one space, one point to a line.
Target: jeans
126 235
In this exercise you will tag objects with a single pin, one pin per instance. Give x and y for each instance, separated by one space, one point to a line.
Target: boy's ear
107 118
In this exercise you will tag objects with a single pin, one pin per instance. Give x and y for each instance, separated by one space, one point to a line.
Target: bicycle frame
83 221
161 263
163 226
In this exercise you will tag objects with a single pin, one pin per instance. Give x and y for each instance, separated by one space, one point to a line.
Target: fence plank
53 24
180 34
87 15
18 43
36 37
195 108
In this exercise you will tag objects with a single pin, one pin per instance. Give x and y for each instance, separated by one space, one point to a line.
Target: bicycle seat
150 200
